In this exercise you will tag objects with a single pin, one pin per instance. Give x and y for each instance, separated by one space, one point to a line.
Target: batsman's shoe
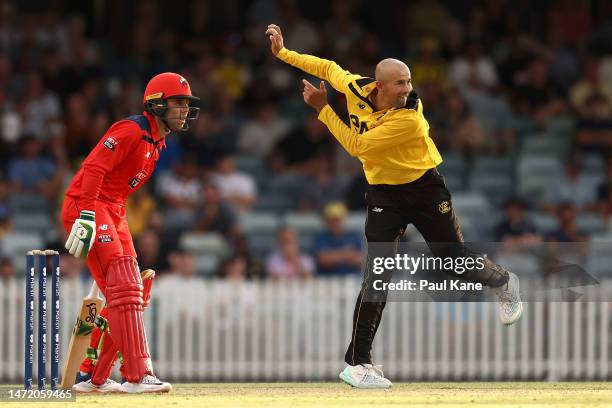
365 376
82 377
149 383
510 305
87 387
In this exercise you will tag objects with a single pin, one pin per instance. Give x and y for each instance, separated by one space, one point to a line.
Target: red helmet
168 86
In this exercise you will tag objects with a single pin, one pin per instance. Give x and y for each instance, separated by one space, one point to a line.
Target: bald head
390 68
393 84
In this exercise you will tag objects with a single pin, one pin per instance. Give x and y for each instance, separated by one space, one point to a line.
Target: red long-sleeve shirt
122 161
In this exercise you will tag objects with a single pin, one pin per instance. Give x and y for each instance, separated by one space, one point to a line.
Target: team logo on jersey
103 227
110 143
138 178
444 207
105 238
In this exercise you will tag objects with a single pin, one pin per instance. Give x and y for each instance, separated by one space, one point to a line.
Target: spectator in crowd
6 227
181 192
173 153
4 195
459 130
592 100
354 197
7 270
73 270
288 262
180 278
573 19
321 187
605 69
233 268
604 192
149 249
426 17
342 32
235 187
536 94
515 227
473 72
567 232
303 32
241 248
231 76
572 186
594 127
337 251
214 214
182 266
10 129
564 62
215 131
39 105
32 173
258 135
588 86
429 69
203 83
235 298
77 123
298 151
139 210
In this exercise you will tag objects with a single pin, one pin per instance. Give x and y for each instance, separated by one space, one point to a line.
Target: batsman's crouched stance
94 217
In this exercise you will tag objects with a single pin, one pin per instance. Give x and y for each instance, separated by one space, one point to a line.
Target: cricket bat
81 333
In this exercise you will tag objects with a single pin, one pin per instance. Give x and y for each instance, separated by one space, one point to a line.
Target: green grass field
507 394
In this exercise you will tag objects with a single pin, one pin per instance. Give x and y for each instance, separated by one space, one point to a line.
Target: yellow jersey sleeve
319 67
388 134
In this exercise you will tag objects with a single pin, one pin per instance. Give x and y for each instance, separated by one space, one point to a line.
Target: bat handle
94 292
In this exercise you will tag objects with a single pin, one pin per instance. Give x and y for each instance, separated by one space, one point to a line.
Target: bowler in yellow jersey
389 134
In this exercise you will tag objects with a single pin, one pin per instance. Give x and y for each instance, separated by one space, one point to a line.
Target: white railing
269 331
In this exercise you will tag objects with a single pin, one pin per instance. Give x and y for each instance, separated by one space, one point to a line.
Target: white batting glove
81 236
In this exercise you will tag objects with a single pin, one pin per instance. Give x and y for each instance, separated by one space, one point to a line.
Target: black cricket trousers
425 203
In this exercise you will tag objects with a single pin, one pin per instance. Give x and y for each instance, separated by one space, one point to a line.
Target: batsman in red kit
93 214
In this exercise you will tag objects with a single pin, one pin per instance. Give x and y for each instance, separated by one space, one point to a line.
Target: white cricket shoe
87 387
149 383
510 305
365 376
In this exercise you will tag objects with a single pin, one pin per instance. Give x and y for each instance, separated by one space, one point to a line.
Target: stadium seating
600 256
203 243
589 223
534 174
303 223
524 265
471 204
496 187
15 245
258 222
33 222
355 221
207 264
545 223
452 163
594 165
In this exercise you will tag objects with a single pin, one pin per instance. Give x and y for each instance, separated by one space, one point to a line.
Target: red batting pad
124 302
